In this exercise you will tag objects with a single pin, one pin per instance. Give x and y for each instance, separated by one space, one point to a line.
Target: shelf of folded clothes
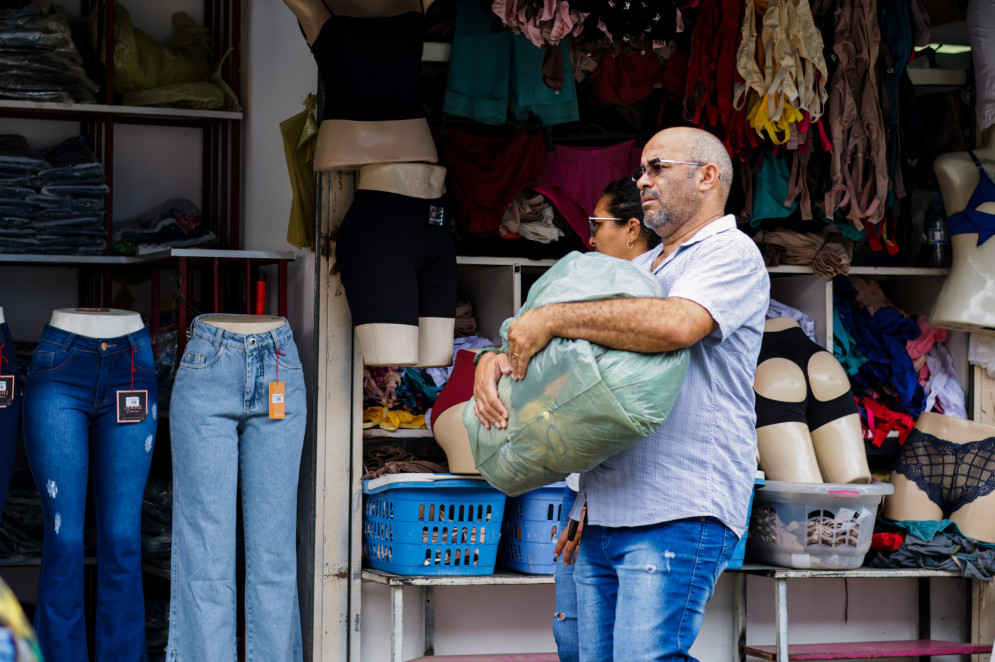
123 114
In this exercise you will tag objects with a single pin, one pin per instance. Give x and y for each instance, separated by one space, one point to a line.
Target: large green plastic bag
579 403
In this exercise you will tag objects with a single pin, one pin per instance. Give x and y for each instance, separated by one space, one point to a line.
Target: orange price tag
276 400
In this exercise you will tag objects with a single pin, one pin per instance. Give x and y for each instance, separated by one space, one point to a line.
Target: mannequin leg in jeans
71 426
220 425
641 591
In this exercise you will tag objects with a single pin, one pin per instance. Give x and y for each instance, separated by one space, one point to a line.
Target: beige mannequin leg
389 344
349 144
839 444
435 341
451 435
785 449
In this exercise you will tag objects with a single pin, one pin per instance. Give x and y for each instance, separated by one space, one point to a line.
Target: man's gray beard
655 219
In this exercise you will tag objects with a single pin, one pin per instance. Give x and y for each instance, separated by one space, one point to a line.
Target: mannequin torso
244 324
346 144
910 501
792 450
967 300
2 320
418 180
97 323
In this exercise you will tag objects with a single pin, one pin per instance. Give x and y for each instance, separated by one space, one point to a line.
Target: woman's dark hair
625 204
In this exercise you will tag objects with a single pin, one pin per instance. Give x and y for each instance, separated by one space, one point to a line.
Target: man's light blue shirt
702 460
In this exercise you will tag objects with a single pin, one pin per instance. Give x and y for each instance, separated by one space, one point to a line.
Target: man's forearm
637 325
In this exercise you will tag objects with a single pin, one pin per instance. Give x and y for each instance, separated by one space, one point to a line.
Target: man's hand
487 405
527 336
568 547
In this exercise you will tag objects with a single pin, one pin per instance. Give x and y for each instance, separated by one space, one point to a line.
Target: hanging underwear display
952 475
486 173
491 69
397 259
971 219
355 54
792 344
574 178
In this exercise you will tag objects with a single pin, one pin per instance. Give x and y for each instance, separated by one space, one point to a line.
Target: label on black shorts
6 390
436 215
132 406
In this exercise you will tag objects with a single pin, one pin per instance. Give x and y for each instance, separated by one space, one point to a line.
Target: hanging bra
971 219
370 66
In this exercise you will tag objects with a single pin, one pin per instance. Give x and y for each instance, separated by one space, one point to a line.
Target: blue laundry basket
439 526
532 524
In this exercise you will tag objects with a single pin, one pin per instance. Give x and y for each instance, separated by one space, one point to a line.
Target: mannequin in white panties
967 300
832 452
97 322
430 343
975 519
345 144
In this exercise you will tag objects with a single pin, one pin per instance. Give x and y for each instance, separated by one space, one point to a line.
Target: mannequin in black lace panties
946 470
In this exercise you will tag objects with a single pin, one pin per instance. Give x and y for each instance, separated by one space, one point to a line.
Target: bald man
664 517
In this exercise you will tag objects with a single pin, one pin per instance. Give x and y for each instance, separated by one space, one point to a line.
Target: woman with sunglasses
617 229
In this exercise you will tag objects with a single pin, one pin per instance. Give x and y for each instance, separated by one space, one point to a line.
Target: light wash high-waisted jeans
223 439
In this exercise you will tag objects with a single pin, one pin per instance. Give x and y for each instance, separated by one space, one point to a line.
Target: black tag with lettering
132 406
6 390
436 215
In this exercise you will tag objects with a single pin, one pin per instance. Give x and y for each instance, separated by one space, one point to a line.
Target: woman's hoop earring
628 245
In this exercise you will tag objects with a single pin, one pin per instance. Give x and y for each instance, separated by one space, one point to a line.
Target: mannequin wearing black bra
808 428
358 44
946 470
967 300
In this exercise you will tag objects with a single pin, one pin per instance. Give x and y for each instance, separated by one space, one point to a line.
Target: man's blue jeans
223 439
565 618
10 416
70 428
641 591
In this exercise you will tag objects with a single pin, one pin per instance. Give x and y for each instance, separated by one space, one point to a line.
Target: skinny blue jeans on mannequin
70 427
10 416
641 591
221 432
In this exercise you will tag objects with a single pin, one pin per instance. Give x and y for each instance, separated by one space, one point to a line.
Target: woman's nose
590 242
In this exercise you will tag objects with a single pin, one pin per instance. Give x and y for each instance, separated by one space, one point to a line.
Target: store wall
278 73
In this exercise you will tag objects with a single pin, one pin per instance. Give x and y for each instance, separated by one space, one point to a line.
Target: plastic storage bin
739 554
431 524
813 525
531 528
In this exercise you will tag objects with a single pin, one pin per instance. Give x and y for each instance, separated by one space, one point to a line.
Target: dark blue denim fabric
70 428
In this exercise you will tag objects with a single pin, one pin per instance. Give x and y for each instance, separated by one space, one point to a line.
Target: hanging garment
354 54
971 219
712 75
541 21
858 169
574 178
492 70
793 77
300 135
896 31
772 189
627 77
486 174
980 20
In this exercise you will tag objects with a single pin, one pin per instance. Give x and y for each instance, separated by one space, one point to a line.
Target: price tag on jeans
6 390
132 406
276 400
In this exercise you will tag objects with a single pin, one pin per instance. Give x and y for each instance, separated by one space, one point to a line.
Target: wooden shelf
400 433
869 649
865 271
775 572
143 114
499 578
